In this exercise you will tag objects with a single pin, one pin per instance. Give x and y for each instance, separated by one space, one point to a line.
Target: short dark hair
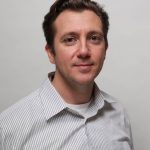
75 5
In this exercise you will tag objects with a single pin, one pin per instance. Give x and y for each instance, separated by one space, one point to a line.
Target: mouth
84 67
84 64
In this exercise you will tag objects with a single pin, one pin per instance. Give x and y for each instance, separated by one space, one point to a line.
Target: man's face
79 47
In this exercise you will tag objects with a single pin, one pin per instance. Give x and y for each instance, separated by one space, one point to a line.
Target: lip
84 67
83 64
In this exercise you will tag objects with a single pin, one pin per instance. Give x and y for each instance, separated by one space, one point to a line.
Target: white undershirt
81 108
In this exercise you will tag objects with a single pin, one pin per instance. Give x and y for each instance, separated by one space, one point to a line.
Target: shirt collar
53 103
99 99
100 95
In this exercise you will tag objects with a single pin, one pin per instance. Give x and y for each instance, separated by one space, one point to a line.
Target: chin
84 81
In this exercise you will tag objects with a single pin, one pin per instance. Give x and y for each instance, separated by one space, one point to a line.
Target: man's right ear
50 53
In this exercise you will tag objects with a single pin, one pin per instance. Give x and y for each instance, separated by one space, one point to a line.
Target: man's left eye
96 39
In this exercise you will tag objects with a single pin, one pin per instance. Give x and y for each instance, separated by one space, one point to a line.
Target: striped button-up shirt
42 121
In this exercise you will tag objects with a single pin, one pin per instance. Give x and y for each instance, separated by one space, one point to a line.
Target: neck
73 93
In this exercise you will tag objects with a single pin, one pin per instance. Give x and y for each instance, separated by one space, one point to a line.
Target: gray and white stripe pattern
41 121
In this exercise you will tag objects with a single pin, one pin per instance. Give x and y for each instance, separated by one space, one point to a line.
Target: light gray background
126 73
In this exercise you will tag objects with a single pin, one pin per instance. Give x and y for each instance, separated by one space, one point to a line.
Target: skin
80 51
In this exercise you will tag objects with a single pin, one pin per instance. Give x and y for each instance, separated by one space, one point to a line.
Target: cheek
100 57
62 59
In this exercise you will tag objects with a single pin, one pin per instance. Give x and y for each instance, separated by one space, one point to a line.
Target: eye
96 38
70 40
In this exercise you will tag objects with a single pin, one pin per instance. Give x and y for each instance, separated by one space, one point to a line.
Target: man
69 111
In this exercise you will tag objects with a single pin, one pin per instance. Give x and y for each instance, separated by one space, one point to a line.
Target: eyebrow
96 32
70 33
76 33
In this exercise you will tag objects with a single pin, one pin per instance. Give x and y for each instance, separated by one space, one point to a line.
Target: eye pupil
70 39
94 37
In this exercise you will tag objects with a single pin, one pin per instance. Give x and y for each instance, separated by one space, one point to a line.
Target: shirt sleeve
128 129
1 140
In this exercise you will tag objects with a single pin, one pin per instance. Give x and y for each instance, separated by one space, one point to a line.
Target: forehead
71 21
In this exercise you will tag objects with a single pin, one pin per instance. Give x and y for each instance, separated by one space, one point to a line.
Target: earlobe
50 54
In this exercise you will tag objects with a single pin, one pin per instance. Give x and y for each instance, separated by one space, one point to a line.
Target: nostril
84 55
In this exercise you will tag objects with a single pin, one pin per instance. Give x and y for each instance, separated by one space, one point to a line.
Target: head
74 5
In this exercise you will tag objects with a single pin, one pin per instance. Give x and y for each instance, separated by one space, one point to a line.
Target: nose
83 50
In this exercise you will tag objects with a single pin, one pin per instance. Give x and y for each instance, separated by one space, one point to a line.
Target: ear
50 54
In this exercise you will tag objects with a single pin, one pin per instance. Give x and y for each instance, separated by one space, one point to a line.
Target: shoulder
17 121
29 107
119 112
112 106
15 114
113 101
